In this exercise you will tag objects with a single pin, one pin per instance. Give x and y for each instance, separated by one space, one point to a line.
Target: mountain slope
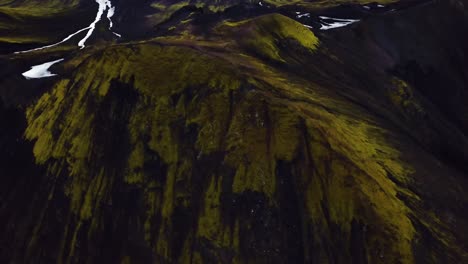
240 135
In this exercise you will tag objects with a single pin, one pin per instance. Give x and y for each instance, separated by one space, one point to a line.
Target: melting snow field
41 71
331 23
104 5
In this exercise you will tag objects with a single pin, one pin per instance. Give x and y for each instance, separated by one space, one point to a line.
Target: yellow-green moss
350 155
402 96
262 34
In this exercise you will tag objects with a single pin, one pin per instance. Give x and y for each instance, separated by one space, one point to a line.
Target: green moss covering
254 129
211 148
262 34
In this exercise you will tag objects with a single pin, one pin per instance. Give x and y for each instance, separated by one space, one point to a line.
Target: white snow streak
103 6
336 22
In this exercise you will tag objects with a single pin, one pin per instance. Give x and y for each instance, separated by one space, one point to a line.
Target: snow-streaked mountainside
281 131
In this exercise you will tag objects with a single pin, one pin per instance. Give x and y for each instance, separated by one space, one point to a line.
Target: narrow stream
104 5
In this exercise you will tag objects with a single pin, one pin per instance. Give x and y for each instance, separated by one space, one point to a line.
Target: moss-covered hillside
239 135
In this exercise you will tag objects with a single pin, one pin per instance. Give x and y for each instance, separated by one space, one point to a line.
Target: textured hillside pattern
235 132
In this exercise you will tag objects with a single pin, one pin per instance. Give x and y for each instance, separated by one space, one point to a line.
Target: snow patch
299 15
331 23
41 71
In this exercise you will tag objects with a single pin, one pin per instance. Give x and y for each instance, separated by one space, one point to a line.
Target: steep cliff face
239 135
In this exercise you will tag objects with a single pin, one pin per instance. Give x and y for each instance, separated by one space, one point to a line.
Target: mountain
234 131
